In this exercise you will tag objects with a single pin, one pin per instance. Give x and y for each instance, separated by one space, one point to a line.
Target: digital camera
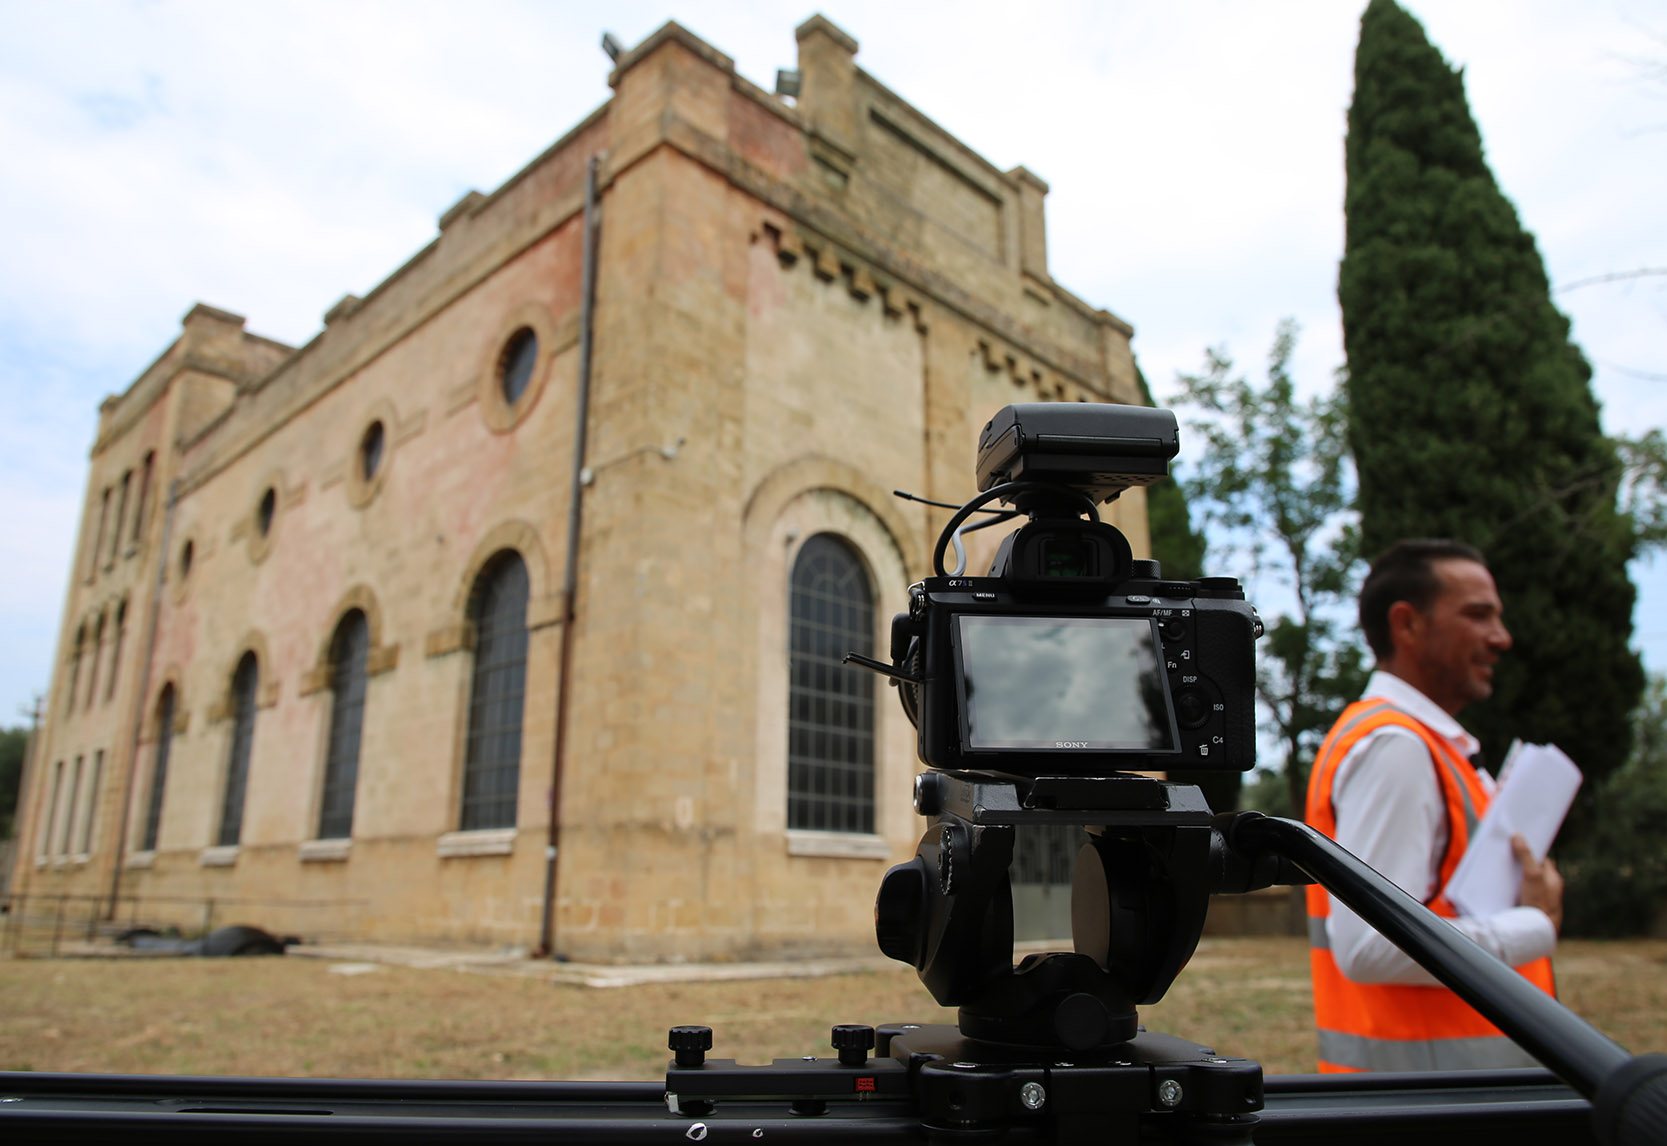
1071 657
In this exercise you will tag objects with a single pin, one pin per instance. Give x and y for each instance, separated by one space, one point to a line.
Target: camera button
1138 599
1191 709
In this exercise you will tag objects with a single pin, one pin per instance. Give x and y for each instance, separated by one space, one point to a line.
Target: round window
515 365
370 450
263 514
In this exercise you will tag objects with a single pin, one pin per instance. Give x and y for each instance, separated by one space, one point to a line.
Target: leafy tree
12 742
1267 791
1274 485
1176 545
1617 878
1179 548
1470 411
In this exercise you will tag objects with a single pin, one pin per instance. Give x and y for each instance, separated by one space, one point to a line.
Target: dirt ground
301 1016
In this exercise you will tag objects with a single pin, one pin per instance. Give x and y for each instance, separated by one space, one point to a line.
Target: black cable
1004 490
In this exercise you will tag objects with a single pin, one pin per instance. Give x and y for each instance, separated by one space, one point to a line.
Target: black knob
690 1044
1172 629
853 1043
899 911
929 788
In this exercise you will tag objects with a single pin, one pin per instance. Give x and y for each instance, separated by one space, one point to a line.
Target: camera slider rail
1525 1108
964 1090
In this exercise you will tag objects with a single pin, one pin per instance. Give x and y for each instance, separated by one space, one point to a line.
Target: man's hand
1542 887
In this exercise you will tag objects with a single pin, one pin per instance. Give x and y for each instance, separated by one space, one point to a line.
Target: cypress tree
1470 410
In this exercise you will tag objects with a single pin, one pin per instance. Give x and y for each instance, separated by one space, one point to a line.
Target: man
1394 784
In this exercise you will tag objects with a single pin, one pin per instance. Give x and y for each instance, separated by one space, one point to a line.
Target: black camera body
1071 657
1144 675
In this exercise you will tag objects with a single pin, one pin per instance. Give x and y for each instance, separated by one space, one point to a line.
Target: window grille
116 653
245 684
159 772
98 538
830 725
349 649
70 807
91 812
49 813
492 758
121 519
75 668
144 496
98 655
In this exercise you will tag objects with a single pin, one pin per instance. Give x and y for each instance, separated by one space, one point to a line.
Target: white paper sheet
1534 795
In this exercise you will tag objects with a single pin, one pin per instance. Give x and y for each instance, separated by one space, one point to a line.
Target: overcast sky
268 158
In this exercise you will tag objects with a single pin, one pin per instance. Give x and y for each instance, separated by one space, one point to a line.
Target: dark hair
1405 572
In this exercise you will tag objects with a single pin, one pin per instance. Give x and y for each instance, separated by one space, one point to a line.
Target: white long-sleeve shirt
1390 813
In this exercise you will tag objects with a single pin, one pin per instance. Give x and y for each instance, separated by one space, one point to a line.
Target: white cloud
269 157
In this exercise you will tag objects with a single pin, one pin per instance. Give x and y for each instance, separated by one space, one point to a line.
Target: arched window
144 496
49 814
348 650
98 655
116 653
492 756
830 726
245 685
75 667
89 814
70 807
159 772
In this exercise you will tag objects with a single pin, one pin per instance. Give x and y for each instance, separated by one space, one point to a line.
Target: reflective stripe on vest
1389 1026
1341 1052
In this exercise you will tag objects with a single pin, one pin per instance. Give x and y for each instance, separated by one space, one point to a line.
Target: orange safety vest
1393 1026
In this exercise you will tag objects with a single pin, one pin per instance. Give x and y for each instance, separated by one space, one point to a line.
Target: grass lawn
294 1016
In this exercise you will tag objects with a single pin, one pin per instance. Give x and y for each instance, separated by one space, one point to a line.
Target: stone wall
799 308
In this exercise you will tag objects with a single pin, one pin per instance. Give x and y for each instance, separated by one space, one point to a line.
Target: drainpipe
570 579
144 694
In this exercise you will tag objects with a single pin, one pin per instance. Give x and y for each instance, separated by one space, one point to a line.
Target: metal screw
1032 1095
1169 1092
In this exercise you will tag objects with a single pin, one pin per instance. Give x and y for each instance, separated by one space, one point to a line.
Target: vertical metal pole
570 579
208 916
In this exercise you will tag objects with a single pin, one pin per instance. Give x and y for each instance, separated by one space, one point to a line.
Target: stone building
315 658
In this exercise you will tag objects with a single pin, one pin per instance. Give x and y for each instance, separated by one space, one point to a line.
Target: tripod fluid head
1138 896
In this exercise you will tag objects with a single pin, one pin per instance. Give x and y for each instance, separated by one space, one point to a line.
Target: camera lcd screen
1063 683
